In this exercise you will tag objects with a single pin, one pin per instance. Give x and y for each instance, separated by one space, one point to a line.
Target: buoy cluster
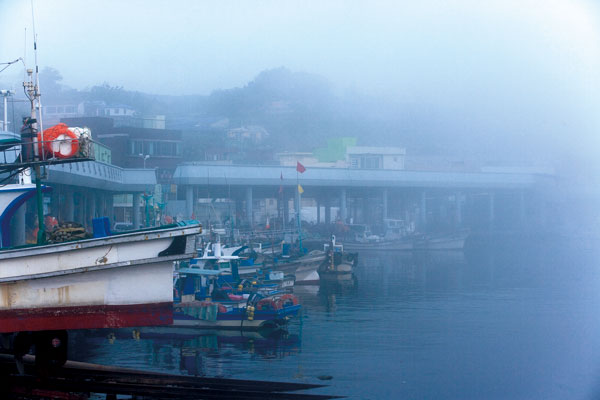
60 141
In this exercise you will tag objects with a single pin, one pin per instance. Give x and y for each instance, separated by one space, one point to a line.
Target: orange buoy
59 141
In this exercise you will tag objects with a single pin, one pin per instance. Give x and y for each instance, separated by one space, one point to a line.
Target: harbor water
501 321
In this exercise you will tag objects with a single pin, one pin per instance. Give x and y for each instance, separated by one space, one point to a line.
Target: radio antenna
25 55
37 77
34 89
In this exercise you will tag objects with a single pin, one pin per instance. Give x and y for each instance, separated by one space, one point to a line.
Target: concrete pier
427 200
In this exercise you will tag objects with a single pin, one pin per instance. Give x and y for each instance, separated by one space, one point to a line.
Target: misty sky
522 67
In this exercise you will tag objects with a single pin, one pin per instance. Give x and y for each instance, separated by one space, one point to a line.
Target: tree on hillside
146 104
297 109
50 82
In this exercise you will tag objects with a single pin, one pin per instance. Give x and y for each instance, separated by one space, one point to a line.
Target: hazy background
512 81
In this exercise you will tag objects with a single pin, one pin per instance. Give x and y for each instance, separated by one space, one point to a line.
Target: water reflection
189 351
501 320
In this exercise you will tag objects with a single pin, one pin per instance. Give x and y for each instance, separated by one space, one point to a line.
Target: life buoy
59 141
267 304
288 300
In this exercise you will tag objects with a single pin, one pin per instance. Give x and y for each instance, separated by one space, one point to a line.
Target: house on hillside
52 114
118 110
252 134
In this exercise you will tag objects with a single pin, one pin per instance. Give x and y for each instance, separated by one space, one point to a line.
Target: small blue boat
201 302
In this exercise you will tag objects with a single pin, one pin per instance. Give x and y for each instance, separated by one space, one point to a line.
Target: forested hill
299 111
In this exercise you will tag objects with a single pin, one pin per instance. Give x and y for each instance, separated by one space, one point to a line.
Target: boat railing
17 155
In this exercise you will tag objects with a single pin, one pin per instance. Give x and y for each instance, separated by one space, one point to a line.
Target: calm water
509 322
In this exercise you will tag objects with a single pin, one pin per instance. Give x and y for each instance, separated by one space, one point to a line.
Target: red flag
299 167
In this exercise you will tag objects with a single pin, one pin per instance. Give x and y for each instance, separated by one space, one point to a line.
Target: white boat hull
116 281
307 277
304 268
388 245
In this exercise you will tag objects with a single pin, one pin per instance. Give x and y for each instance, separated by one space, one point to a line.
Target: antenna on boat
37 76
25 55
32 91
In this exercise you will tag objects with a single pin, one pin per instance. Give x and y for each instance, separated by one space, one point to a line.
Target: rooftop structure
375 157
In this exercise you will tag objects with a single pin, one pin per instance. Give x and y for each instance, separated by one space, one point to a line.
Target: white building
252 133
118 110
55 112
362 157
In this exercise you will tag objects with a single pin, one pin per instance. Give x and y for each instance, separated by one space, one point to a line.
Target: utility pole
144 157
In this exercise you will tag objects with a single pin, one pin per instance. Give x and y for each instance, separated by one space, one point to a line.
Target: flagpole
280 206
298 210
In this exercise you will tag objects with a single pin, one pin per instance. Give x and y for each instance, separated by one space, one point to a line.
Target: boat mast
36 105
33 93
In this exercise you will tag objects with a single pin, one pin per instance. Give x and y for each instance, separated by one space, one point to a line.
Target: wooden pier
76 381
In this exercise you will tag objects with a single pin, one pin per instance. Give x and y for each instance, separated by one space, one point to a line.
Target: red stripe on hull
86 317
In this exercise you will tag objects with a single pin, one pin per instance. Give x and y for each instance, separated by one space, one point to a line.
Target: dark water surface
506 322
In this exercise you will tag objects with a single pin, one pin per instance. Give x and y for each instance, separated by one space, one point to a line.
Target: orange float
287 300
267 304
59 141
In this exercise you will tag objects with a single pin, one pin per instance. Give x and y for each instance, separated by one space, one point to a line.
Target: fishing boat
403 244
397 236
273 311
235 264
87 284
339 264
98 282
202 302
304 267
451 241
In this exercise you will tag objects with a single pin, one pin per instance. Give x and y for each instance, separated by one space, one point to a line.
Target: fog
513 84
509 81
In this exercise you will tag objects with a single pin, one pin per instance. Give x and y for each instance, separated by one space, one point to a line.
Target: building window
370 162
149 148
366 162
136 147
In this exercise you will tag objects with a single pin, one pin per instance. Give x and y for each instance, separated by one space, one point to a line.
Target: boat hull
235 319
389 245
226 324
87 317
304 268
307 277
454 241
117 281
